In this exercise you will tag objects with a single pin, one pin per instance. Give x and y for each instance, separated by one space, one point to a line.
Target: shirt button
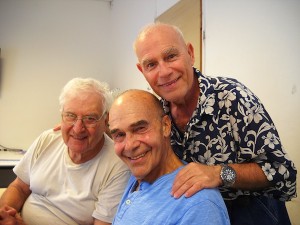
128 202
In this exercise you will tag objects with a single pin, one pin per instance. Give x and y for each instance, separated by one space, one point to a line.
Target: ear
138 65
107 130
166 123
107 119
190 50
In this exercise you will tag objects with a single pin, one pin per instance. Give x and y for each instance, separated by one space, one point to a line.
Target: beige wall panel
186 14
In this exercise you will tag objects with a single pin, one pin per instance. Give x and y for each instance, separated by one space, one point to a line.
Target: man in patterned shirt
221 128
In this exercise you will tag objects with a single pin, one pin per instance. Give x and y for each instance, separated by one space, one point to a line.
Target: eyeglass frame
82 119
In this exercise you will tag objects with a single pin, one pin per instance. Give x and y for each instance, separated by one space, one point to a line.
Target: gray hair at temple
78 84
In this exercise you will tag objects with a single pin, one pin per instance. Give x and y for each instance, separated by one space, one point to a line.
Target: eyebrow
132 126
113 131
171 49
165 52
89 114
138 123
146 61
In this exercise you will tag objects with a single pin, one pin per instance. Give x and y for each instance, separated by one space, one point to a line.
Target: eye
118 136
70 116
90 119
140 129
170 57
150 65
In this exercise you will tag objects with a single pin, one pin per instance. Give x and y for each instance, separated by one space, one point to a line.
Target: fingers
57 127
19 219
189 188
179 185
193 178
7 219
9 210
185 182
3 214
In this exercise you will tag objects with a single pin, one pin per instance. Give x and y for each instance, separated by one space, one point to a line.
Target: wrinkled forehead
82 94
83 100
127 111
153 45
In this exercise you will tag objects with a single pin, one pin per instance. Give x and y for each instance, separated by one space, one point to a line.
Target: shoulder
212 194
50 134
210 199
226 93
43 145
222 83
108 148
47 138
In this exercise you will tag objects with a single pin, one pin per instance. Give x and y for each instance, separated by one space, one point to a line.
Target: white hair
79 84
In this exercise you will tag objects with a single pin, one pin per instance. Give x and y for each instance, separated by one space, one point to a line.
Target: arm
110 195
251 140
99 222
250 177
15 195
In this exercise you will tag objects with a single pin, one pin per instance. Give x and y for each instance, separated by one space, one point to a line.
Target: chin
139 175
77 148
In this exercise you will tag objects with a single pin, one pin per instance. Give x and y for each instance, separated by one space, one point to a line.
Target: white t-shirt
68 193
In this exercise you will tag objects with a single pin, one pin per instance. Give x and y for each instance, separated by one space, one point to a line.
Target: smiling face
141 134
166 61
82 141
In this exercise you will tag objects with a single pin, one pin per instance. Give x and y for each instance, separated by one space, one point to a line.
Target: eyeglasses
88 121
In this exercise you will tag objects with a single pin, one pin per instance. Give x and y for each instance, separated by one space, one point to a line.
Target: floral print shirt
231 125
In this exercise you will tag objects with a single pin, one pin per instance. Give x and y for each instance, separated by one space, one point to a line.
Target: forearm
99 222
11 197
15 195
249 177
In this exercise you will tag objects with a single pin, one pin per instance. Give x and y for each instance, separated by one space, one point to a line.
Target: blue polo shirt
153 204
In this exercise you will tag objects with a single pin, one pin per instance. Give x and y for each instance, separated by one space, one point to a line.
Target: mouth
79 138
137 157
169 83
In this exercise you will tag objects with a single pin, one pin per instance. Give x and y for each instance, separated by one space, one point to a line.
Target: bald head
132 100
158 29
133 107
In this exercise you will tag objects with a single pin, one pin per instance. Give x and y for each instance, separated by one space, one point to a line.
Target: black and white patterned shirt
231 125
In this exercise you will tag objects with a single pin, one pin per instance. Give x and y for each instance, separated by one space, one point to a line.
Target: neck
183 111
173 163
168 163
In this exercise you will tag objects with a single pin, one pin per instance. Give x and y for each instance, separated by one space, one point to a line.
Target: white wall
125 24
258 43
46 43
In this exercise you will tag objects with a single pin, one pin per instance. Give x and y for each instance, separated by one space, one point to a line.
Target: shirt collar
206 102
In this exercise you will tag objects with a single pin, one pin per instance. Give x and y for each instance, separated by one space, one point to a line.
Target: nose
131 142
164 69
78 126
